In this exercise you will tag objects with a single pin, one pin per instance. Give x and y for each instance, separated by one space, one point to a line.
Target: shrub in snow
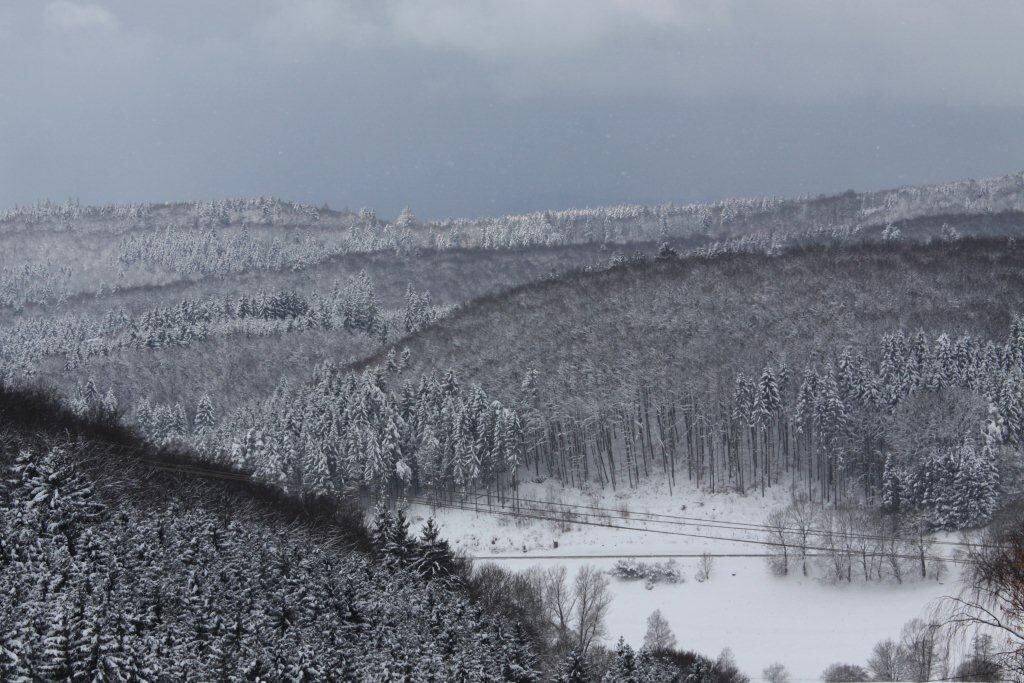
631 569
776 673
707 563
842 673
628 569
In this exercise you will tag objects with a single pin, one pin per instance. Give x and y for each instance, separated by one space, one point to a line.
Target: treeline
71 216
231 237
925 427
345 434
734 217
920 426
201 251
351 306
38 283
616 224
852 542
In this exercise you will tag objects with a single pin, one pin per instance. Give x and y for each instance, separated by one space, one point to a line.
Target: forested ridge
886 372
116 571
855 401
168 244
864 353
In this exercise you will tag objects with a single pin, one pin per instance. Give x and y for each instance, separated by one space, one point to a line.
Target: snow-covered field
804 622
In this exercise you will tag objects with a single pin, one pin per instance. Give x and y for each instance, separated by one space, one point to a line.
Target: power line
690 535
729 524
715 524
646 556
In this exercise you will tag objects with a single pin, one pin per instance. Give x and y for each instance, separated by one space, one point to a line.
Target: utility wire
715 524
666 532
727 524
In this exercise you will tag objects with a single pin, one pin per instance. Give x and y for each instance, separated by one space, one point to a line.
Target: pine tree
205 419
624 667
803 416
400 548
892 485
90 394
58 657
108 406
574 669
318 481
383 523
144 417
768 388
434 559
406 219
666 253
975 487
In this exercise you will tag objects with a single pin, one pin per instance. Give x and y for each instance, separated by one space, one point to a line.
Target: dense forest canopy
864 352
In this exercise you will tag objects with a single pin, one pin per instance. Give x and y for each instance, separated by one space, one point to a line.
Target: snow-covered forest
585 341
257 409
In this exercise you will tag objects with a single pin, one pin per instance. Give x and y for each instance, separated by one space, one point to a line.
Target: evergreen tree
90 394
205 419
803 417
666 253
892 485
406 219
434 559
400 548
108 406
383 523
574 669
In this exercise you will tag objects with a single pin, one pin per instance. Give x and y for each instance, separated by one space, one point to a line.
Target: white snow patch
803 622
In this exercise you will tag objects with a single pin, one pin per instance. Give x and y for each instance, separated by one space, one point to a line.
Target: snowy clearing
806 623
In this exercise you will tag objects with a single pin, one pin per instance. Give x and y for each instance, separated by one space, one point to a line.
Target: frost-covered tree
205 418
659 634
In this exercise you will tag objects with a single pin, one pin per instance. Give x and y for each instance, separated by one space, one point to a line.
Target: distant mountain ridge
624 223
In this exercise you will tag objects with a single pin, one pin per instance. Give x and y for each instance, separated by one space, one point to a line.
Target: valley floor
806 623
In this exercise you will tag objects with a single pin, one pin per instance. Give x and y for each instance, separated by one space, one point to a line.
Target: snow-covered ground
805 623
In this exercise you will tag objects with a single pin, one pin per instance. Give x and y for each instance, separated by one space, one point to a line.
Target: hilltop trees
346 432
102 587
924 428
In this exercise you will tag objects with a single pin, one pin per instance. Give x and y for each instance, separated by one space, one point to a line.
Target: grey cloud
482 107
65 15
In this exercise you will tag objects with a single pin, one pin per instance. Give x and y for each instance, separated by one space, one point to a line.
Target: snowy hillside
782 618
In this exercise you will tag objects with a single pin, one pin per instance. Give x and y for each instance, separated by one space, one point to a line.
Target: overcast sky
456 107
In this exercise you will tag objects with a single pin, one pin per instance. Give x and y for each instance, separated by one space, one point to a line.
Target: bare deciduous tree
776 673
778 557
992 602
559 603
592 599
707 564
801 517
884 663
921 651
659 634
